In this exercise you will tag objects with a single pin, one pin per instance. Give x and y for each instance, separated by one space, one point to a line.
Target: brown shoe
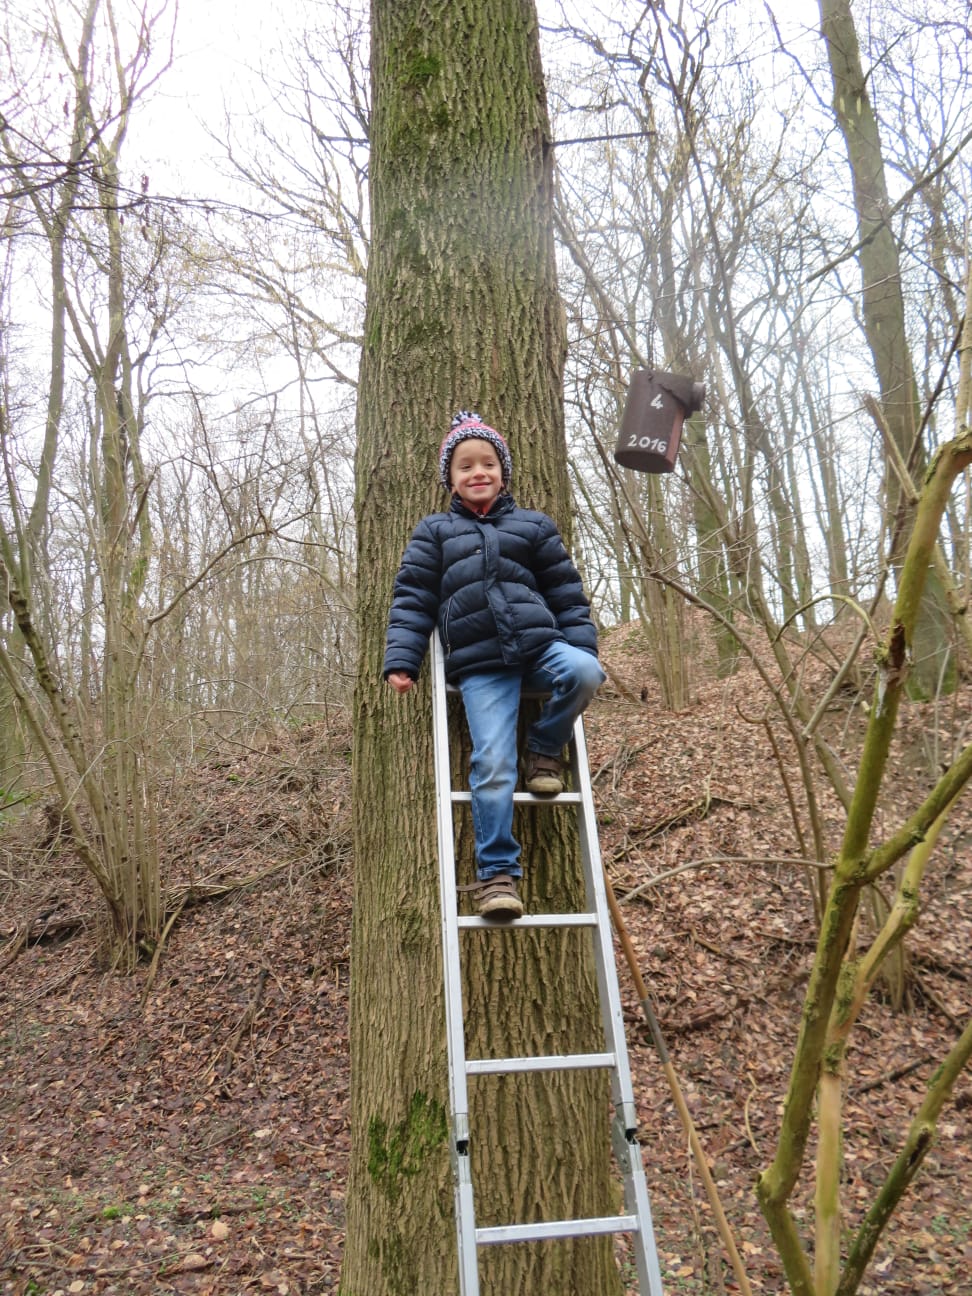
544 774
497 897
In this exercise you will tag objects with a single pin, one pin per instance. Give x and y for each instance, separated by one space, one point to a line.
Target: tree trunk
713 574
462 311
884 327
105 766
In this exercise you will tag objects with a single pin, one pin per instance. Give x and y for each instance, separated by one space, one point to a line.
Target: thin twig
157 955
749 1129
721 859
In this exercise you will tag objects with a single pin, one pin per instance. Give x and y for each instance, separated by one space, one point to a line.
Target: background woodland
779 212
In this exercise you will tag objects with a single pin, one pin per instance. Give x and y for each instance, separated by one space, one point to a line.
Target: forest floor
197 1142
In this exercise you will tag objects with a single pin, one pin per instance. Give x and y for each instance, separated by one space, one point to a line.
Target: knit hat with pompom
468 426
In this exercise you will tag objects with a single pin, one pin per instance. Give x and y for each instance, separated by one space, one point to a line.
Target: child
498 584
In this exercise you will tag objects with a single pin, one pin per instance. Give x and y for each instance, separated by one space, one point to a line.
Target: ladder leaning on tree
637 1218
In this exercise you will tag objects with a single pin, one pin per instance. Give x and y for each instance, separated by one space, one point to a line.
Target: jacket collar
504 503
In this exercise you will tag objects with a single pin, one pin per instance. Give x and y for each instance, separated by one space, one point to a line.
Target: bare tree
462 307
886 327
760 238
97 759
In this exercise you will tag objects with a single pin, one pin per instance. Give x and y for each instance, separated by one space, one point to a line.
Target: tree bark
462 311
884 326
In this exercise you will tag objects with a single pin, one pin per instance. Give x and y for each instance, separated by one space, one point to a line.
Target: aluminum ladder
637 1218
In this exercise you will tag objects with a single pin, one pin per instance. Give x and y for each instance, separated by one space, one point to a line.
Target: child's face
475 473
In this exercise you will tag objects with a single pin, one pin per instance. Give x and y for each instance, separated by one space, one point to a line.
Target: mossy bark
463 311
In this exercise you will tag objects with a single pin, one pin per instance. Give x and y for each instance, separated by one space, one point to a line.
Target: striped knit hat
467 426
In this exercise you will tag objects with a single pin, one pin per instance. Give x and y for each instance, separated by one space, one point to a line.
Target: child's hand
400 682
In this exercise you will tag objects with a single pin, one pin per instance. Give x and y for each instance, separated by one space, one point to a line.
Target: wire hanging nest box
654 412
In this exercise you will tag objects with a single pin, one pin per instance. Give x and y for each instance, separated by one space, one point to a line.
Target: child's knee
590 676
493 770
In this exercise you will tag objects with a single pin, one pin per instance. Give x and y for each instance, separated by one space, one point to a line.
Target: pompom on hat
468 426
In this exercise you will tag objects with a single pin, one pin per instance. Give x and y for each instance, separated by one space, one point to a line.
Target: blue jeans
492 701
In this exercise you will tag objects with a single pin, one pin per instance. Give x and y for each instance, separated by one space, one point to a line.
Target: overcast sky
219 45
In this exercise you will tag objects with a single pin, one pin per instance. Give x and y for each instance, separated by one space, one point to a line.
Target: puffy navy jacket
500 588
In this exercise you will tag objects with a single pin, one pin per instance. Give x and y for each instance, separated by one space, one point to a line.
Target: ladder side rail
455 1028
624 1132
626 1146
455 1036
607 982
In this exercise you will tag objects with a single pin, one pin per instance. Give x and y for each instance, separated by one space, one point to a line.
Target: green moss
413 927
416 113
395 1262
832 1058
403 231
846 982
440 118
428 336
395 1156
374 334
420 69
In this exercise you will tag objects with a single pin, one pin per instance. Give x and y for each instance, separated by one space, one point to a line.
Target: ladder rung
557 1062
557 1229
532 920
536 694
525 798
